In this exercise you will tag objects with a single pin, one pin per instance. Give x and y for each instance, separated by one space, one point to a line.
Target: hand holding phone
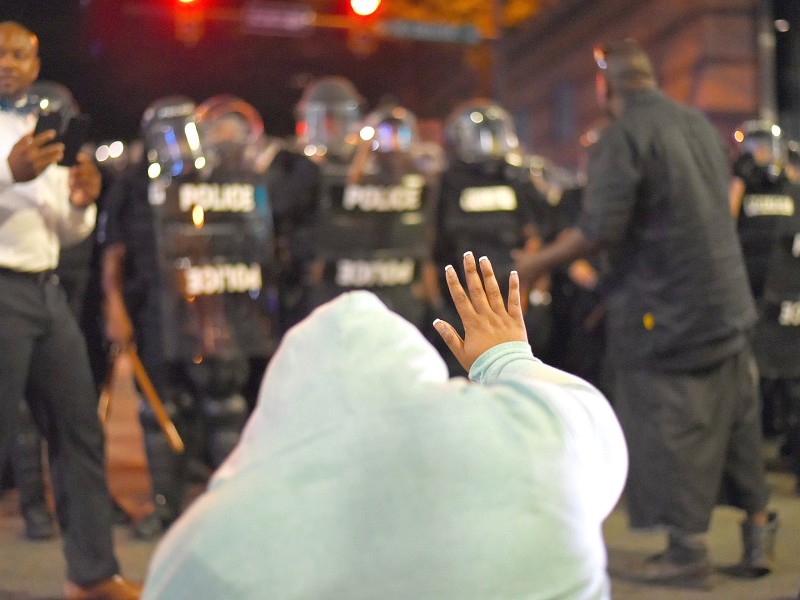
73 136
49 120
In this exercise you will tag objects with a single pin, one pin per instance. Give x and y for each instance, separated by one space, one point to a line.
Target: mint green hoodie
365 473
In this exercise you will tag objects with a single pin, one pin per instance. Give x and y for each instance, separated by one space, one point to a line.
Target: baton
166 424
146 385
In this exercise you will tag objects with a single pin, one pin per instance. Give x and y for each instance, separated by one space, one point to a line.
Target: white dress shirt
36 217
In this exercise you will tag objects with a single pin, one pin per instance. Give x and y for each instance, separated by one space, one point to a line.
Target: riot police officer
776 340
373 229
186 276
488 203
758 195
762 199
329 115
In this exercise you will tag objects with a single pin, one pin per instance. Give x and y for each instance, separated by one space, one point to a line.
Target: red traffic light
364 8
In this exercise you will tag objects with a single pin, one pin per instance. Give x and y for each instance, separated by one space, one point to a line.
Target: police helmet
760 140
479 131
329 116
171 138
225 118
228 126
392 129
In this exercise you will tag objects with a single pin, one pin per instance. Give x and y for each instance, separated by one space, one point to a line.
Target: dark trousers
694 440
43 359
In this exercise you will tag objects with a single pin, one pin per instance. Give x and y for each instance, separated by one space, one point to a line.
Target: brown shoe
113 588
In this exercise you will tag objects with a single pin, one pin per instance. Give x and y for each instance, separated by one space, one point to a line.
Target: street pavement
35 570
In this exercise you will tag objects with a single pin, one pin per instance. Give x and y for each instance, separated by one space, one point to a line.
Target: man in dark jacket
678 308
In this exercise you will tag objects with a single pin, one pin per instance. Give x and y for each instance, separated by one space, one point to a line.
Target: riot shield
374 234
215 255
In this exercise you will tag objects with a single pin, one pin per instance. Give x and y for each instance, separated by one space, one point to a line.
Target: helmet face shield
227 126
330 127
761 139
171 137
764 149
481 132
394 129
328 117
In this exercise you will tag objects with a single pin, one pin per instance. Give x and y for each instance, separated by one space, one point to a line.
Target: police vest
482 213
764 205
215 255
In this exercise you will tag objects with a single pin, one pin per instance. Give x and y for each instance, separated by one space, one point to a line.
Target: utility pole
767 103
497 63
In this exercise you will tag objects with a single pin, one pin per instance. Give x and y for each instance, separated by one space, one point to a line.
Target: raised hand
487 320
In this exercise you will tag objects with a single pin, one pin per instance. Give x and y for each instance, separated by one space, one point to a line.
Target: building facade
716 55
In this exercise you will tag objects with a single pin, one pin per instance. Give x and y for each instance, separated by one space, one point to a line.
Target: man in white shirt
42 351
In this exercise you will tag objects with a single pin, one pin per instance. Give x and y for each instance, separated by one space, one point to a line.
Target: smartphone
49 120
75 136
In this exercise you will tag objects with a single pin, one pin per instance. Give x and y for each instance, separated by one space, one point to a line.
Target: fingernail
483 258
514 273
448 268
467 253
437 322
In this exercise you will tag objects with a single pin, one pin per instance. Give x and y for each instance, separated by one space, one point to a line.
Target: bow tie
23 106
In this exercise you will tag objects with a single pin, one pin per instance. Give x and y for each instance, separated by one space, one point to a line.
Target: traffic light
364 8
189 21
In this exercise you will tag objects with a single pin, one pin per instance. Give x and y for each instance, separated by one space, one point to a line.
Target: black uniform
578 313
294 184
776 339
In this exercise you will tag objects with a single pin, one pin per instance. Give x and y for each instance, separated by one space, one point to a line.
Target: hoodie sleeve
588 423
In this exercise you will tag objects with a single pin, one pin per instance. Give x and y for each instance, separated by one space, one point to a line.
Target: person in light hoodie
365 472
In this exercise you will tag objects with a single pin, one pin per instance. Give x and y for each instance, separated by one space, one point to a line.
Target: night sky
116 63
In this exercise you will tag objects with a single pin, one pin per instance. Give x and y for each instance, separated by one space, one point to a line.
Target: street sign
432 32
277 18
